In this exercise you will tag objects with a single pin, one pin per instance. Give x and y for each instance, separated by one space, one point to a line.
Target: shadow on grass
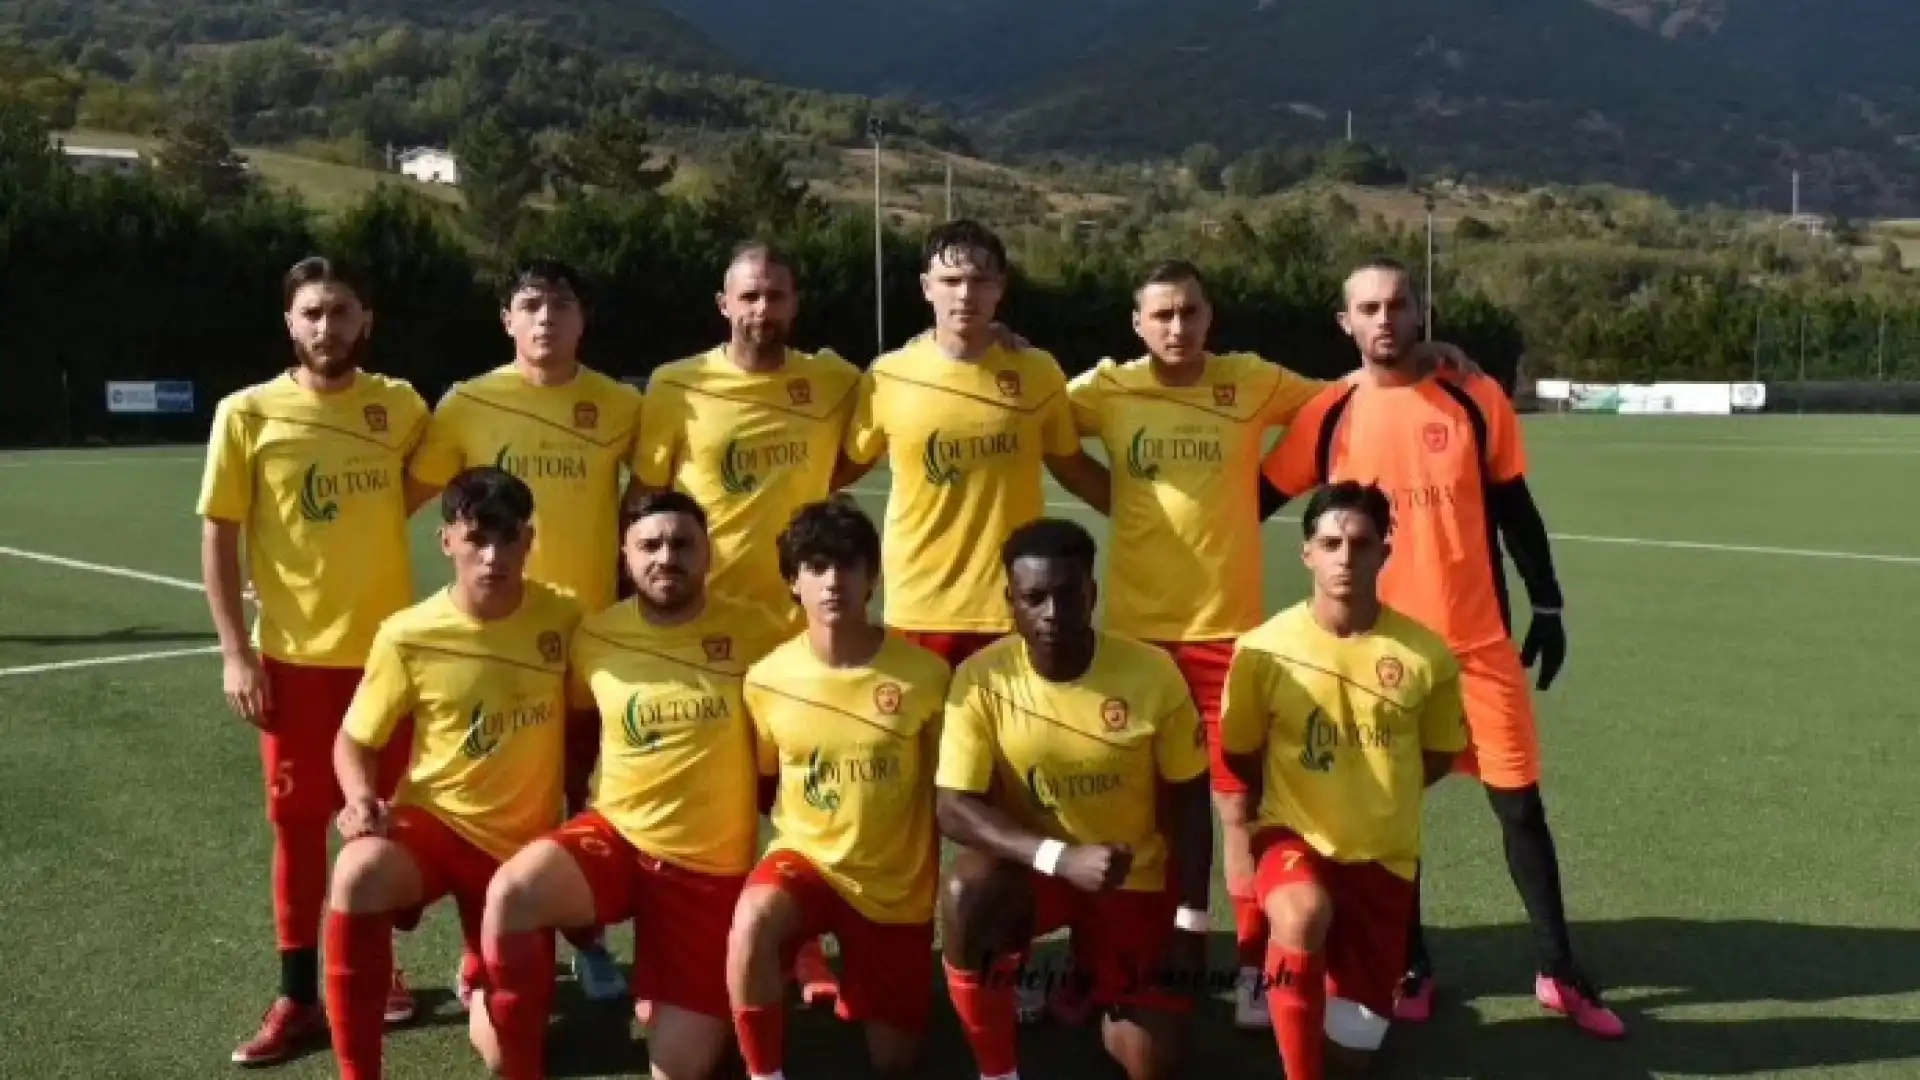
1729 975
129 635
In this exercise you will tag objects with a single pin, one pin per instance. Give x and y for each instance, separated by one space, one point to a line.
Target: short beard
305 358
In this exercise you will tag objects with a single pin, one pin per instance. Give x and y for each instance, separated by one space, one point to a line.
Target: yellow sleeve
579 694
438 457
1180 741
1244 716
385 695
1289 396
1443 717
866 439
1088 399
658 444
226 486
1059 437
415 407
766 753
966 741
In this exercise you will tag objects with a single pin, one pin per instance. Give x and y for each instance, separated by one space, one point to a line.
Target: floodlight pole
877 130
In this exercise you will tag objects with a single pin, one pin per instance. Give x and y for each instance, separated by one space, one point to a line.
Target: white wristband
1047 859
1546 611
1192 920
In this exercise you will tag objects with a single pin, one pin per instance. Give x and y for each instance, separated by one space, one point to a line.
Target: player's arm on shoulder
1286 391
1087 394
1246 718
1289 469
438 456
865 438
658 440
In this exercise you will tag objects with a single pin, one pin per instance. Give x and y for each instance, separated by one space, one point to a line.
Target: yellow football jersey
854 750
750 448
1343 723
1185 563
568 443
1081 762
317 483
677 772
488 700
965 444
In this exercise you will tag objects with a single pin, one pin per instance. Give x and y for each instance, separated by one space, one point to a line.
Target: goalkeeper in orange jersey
1073 772
672 824
480 667
307 472
846 719
566 430
1339 713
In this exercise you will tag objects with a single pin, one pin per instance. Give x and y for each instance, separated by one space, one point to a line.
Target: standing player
673 825
847 718
752 430
1185 569
966 425
566 430
310 468
1447 451
1073 769
1339 713
481 666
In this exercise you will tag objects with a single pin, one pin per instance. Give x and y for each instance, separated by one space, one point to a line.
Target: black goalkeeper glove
1547 643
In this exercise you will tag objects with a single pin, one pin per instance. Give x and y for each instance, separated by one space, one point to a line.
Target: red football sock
984 1004
520 994
762 1031
299 882
1250 931
359 971
1297 1000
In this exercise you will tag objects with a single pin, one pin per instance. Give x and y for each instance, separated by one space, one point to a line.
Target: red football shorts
307 706
680 917
1204 665
450 865
1367 945
1121 935
886 969
953 648
1504 747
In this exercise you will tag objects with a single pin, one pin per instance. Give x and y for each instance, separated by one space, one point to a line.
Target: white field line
127 459
102 568
103 661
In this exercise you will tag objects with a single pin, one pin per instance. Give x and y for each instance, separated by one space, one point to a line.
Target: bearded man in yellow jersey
481 667
566 430
310 469
846 720
1339 713
966 425
673 825
1073 771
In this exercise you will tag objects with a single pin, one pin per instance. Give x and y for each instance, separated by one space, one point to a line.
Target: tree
1891 257
757 194
498 170
26 153
610 155
195 155
1205 164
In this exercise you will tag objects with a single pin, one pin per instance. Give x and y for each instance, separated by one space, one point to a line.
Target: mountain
1699 99
632 29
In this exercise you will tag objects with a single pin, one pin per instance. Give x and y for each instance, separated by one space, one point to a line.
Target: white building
102 159
430 165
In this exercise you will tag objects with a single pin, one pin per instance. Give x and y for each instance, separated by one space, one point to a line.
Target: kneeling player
1339 713
481 666
847 717
1059 750
671 827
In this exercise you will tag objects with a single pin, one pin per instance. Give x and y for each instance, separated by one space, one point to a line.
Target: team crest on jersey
376 417
552 649
1224 396
586 415
886 698
592 845
1435 436
800 392
1113 714
1390 672
1008 383
719 648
